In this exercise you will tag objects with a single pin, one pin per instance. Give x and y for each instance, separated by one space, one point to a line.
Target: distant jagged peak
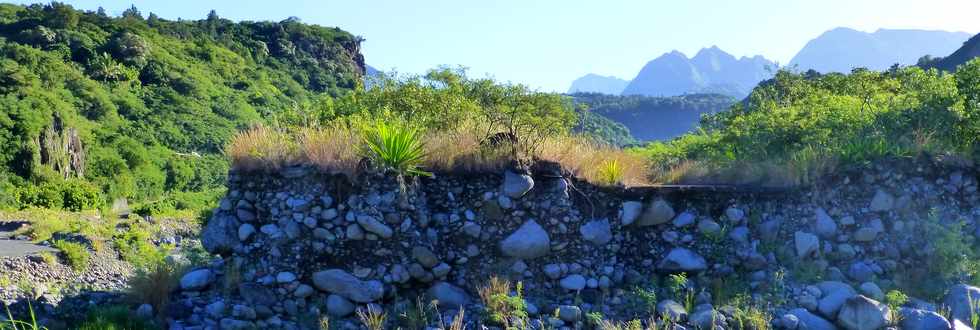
712 51
674 54
596 75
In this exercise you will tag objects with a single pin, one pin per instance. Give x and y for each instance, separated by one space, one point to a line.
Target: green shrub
160 207
150 182
502 308
952 250
8 195
397 148
76 254
136 247
895 299
114 318
44 196
80 195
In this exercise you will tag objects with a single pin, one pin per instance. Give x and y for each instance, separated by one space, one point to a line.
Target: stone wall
298 245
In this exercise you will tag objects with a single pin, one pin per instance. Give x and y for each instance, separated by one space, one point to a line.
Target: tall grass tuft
373 317
153 285
262 148
397 148
15 324
595 162
462 149
332 149
609 172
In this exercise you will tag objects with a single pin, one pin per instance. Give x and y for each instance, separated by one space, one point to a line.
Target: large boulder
811 321
425 256
597 232
516 185
882 202
569 313
863 313
339 306
220 235
630 211
682 260
346 285
574 282
806 244
527 242
960 299
672 309
373 225
658 212
917 319
707 319
835 294
448 295
196 280
825 226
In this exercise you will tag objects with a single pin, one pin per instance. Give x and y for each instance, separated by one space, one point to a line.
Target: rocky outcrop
963 301
308 244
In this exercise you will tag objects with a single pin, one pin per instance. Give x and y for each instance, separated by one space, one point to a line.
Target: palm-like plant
396 147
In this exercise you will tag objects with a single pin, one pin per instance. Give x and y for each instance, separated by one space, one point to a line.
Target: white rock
527 242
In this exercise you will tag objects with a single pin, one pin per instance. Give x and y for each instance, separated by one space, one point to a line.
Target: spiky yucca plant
396 147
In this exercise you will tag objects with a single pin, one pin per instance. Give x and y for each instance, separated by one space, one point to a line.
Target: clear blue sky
547 44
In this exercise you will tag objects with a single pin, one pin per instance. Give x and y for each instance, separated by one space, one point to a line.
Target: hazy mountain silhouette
842 49
593 83
711 70
969 51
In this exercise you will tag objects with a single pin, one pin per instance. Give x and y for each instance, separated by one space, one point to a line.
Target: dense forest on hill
94 107
654 118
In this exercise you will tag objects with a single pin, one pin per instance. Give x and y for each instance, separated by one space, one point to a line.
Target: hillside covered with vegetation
650 118
797 127
94 108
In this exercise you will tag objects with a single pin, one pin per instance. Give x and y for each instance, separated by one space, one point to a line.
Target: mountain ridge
876 50
969 51
595 83
711 70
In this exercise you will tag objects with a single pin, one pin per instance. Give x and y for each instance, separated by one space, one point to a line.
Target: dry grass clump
333 149
262 148
154 285
462 149
595 162
373 317
339 148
